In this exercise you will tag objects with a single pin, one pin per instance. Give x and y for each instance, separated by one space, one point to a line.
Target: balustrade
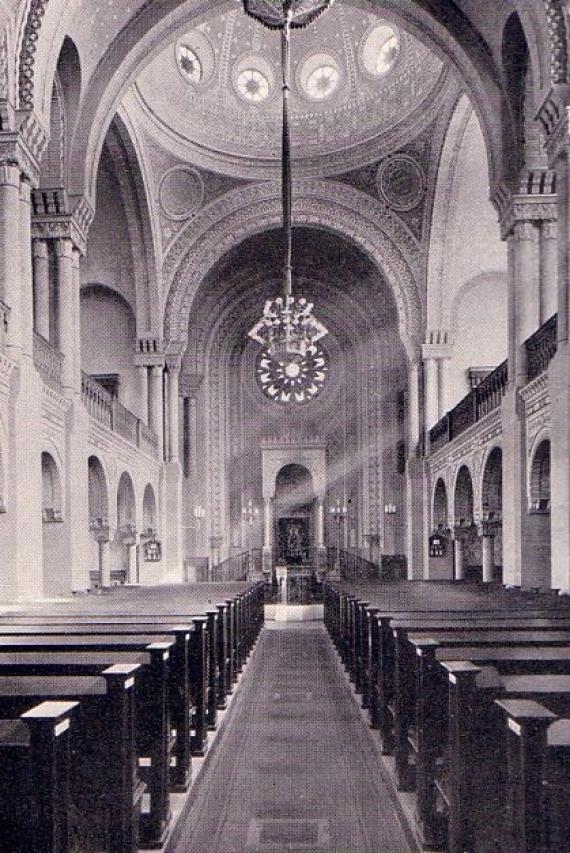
48 361
353 566
491 390
106 409
124 422
541 348
238 567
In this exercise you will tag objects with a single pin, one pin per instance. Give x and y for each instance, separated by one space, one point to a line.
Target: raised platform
294 612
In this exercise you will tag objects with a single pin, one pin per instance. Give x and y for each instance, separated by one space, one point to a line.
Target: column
548 270
132 564
488 549
156 405
174 409
416 541
142 372
524 294
105 563
41 288
523 320
320 524
459 559
559 387
267 525
66 311
9 257
413 409
431 413
25 271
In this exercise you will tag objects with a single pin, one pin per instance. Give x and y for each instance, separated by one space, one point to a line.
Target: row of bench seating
474 705
101 713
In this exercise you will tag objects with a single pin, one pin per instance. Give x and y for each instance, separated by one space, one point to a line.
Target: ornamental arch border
320 204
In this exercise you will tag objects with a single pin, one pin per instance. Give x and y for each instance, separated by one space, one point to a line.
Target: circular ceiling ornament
379 50
253 79
292 380
252 85
181 192
195 58
319 77
400 182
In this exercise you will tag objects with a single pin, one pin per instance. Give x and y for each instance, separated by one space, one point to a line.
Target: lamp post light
250 513
338 511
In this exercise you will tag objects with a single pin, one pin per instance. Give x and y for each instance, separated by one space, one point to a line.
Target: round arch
149 511
463 498
52 499
453 37
492 482
126 503
321 204
440 507
540 476
98 492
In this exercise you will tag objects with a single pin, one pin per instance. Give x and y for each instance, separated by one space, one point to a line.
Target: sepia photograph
285 426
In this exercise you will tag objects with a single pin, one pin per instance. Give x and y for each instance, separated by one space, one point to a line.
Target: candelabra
338 511
250 513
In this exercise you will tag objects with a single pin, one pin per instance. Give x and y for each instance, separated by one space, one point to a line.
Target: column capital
24 145
64 247
438 345
526 210
173 363
549 230
10 174
50 225
39 248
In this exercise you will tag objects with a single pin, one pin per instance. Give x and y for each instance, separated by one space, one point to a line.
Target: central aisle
295 767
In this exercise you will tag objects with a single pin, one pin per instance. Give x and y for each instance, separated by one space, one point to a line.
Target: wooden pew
35 779
106 707
153 738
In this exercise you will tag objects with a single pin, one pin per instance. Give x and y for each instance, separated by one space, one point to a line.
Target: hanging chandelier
288 329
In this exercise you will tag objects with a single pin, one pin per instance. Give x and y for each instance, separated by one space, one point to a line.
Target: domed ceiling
354 77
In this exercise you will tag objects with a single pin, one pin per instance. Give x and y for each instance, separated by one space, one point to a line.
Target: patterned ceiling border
334 207
28 49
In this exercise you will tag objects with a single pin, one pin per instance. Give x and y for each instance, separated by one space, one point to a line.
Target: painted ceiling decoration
354 78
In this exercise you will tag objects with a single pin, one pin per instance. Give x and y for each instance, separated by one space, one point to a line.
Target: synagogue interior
284 426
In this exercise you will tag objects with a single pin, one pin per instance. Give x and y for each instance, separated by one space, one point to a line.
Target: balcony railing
238 567
486 397
97 401
103 407
124 422
541 348
352 566
48 360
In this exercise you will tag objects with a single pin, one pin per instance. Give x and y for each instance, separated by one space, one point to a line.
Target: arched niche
463 499
126 506
98 493
294 513
540 478
51 490
492 484
440 514
538 538
149 512
56 571
492 506
108 340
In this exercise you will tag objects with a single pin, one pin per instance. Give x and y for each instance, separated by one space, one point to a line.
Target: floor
295 767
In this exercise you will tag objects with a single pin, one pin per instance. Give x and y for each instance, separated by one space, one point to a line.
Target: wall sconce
250 513
390 509
199 512
338 510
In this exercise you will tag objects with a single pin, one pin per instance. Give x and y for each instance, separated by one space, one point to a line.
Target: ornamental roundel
400 182
181 192
293 381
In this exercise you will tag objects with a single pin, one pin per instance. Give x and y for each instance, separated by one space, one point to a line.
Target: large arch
323 204
450 32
